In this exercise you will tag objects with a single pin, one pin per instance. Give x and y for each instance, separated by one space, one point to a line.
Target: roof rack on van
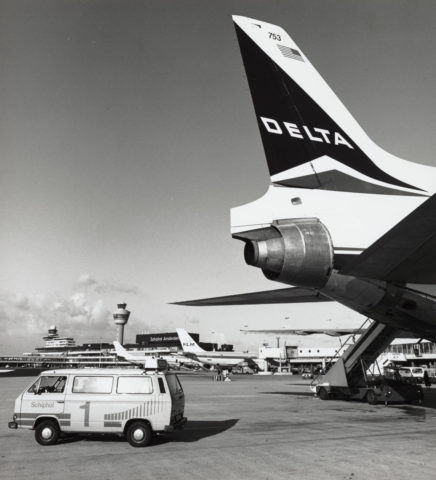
154 363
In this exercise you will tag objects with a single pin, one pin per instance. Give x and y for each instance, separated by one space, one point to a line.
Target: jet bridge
347 377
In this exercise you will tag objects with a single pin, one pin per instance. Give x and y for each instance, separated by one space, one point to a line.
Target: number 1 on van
86 407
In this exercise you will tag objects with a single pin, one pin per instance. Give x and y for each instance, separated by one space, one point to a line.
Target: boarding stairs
349 371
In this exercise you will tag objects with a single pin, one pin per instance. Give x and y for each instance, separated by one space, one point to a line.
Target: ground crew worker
427 381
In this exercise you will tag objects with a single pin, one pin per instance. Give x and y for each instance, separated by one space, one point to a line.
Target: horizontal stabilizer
282 295
405 254
332 332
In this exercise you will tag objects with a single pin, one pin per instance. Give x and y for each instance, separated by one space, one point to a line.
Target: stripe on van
112 424
152 407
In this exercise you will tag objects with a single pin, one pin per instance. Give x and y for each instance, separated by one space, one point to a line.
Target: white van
131 402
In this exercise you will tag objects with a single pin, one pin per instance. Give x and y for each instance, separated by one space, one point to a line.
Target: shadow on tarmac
417 413
296 394
428 402
198 429
89 437
429 397
193 432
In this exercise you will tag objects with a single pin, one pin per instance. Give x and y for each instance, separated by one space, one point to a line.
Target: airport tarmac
253 428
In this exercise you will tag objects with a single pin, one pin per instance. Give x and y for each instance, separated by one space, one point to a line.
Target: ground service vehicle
387 388
128 401
393 390
243 370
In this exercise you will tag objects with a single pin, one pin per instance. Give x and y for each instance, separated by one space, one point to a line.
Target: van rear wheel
47 432
139 434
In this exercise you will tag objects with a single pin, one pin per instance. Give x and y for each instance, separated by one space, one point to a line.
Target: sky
127 133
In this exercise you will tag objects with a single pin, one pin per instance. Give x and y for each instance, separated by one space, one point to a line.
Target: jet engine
297 252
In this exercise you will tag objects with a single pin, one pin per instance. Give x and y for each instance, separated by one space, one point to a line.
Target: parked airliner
215 358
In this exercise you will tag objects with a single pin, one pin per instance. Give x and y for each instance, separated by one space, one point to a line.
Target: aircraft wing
336 332
405 253
282 295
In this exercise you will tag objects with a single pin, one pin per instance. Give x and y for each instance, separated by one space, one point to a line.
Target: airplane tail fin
309 137
189 345
120 350
147 362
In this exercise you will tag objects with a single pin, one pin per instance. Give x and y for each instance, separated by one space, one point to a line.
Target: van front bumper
176 426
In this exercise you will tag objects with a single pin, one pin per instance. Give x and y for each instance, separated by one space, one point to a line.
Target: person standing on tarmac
219 375
427 381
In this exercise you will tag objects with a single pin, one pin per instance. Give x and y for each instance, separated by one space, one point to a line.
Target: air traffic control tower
121 317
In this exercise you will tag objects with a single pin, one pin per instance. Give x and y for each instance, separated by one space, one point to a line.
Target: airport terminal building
63 352
162 340
171 340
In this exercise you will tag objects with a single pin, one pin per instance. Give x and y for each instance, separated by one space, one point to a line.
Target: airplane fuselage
394 305
222 359
354 220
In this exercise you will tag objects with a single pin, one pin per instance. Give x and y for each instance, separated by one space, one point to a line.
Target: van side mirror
38 390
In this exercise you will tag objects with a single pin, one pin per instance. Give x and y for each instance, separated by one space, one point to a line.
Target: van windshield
174 384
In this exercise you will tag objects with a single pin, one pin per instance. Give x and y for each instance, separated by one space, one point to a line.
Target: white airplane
141 358
342 219
215 358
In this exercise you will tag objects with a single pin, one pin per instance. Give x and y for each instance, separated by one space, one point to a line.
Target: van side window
92 384
161 385
134 385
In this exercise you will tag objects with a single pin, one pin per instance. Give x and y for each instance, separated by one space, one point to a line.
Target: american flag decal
290 53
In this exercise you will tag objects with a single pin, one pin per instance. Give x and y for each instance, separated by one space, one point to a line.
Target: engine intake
296 252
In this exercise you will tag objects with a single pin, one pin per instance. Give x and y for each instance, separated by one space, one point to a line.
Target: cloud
22 315
104 288
21 302
88 282
25 318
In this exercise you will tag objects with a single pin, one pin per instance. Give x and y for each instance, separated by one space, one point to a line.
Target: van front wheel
47 432
139 434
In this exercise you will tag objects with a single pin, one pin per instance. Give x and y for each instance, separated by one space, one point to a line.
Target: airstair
347 377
